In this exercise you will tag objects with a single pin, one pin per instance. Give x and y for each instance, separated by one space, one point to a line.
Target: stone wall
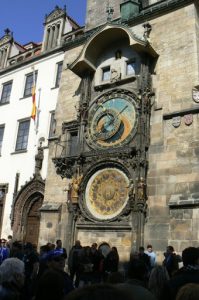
173 157
96 12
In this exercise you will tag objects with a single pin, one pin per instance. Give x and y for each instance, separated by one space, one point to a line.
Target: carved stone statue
39 160
74 187
141 189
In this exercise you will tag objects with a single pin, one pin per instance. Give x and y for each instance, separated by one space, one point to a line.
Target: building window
29 84
5 96
130 67
22 136
1 136
73 143
52 125
59 71
106 73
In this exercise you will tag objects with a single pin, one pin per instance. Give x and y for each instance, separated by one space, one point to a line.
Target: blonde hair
158 277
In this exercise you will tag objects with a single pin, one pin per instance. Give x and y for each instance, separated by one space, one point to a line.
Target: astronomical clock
105 156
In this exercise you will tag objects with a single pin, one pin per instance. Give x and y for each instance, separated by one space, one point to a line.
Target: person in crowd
152 255
43 259
57 261
11 279
171 260
99 292
9 241
4 251
189 273
136 282
96 257
73 262
85 267
111 262
144 257
17 250
59 249
31 261
158 282
189 291
50 286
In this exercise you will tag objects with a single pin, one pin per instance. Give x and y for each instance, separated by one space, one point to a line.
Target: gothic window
59 71
22 135
1 136
52 124
6 91
73 142
106 73
130 67
29 84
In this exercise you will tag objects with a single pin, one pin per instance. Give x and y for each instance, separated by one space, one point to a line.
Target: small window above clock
106 73
130 67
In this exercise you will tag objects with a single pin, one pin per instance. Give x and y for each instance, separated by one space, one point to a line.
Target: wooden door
33 223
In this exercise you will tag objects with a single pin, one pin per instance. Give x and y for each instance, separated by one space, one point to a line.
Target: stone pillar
46 39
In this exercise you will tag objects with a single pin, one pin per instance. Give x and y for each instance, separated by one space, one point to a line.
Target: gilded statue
74 187
141 189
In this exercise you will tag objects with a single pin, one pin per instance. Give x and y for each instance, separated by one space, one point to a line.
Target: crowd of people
86 273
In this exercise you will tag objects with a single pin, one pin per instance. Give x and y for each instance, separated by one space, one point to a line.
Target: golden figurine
141 192
74 187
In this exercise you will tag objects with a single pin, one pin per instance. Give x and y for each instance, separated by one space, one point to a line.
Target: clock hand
119 113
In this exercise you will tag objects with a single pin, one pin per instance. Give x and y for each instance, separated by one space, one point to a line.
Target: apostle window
130 67
6 91
106 73
22 135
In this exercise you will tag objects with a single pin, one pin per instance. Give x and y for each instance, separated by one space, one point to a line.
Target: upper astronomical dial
112 122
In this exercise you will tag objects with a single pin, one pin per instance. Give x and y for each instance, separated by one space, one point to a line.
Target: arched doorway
32 222
25 219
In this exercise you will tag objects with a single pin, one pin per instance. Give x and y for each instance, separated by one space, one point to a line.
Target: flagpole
38 111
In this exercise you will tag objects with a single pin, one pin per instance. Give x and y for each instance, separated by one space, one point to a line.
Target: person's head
50 286
3 242
77 243
12 271
189 291
56 261
98 292
59 243
28 248
141 250
9 237
94 246
149 248
190 256
158 277
170 249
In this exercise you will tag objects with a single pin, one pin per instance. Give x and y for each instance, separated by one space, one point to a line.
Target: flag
34 108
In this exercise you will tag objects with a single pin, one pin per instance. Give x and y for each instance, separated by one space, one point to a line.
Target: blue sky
25 18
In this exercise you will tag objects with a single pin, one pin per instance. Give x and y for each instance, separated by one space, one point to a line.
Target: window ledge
55 87
181 201
24 97
108 83
4 103
19 152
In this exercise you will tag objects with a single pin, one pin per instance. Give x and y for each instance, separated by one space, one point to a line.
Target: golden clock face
106 193
112 122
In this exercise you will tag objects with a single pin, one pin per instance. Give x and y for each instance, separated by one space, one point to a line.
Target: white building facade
23 140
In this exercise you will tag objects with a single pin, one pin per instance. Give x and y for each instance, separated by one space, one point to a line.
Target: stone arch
26 211
103 38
